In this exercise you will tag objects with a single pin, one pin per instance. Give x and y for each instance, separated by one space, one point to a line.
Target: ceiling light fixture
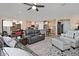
33 7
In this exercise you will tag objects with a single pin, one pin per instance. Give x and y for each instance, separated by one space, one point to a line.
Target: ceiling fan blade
29 8
28 4
37 9
39 5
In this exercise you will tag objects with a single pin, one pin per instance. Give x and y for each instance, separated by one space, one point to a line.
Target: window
7 23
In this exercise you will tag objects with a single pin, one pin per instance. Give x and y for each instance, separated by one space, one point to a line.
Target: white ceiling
50 11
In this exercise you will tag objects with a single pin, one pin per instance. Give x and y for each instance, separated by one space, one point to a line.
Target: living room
49 28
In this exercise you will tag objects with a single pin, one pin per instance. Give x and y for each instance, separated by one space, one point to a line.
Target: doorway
59 28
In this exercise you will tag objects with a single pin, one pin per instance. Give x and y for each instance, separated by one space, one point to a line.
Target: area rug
71 52
45 48
42 48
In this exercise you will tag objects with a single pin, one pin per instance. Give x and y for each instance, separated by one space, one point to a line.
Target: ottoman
61 44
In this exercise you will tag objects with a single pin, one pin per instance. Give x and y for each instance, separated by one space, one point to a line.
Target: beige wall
52 23
26 24
23 26
74 20
52 26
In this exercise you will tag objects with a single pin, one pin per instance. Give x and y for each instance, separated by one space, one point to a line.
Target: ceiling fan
34 6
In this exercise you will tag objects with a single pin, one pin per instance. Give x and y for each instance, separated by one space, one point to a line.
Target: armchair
72 37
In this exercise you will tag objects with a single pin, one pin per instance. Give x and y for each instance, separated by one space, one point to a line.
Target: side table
23 41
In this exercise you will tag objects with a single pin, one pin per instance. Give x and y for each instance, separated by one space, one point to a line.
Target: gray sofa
34 35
